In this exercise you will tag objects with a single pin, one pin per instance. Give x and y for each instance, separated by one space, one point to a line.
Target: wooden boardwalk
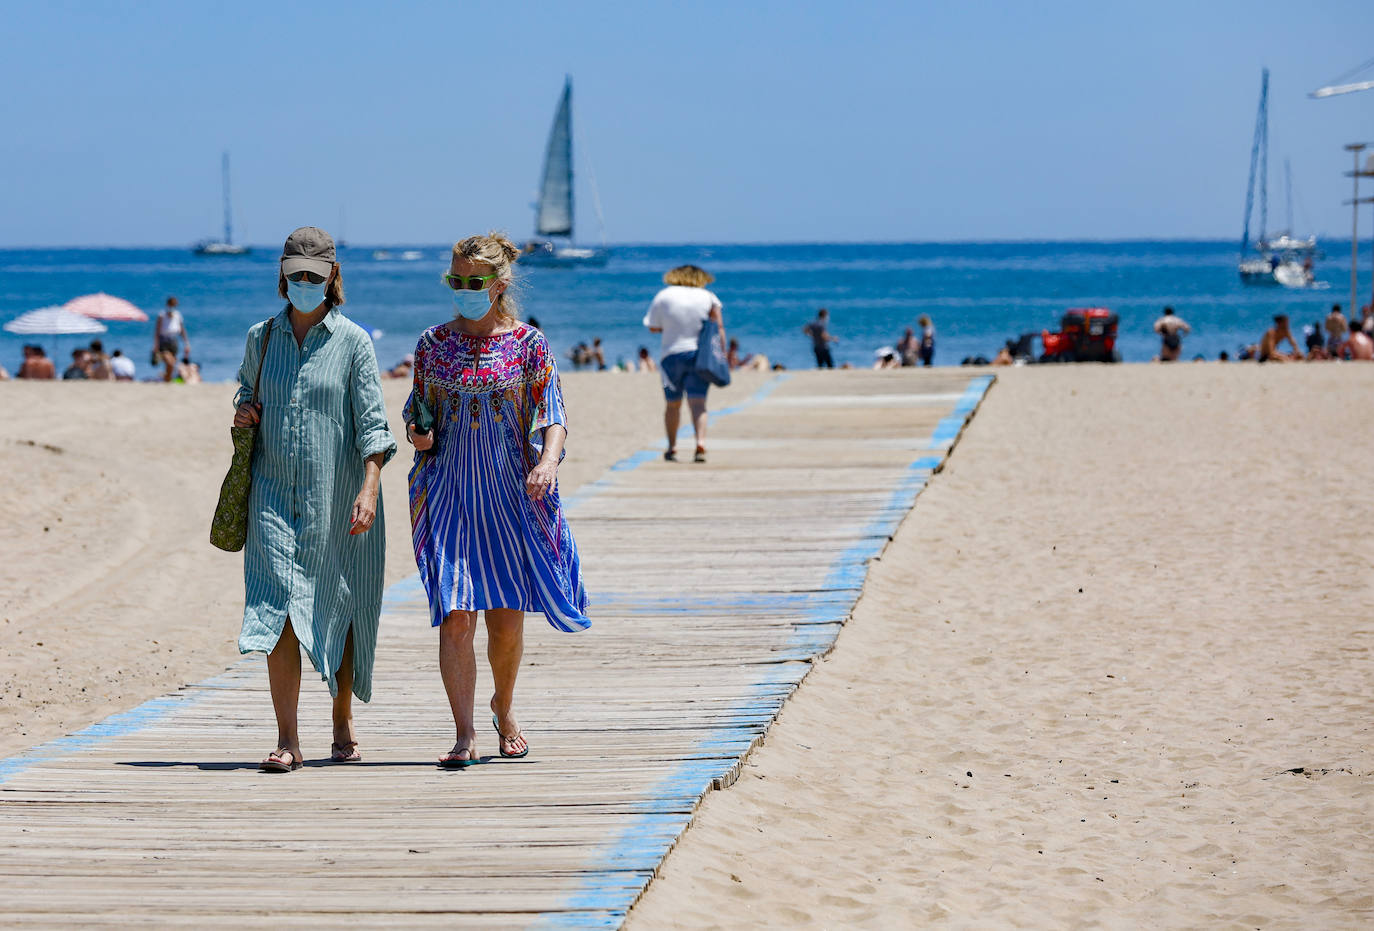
713 588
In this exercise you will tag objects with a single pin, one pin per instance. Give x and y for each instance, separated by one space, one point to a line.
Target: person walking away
1170 328
169 333
927 350
678 312
1336 327
488 524
312 568
819 331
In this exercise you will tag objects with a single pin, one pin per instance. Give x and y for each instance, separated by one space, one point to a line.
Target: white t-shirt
123 367
169 324
680 311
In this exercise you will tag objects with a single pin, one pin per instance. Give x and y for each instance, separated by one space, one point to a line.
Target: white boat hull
221 248
1284 274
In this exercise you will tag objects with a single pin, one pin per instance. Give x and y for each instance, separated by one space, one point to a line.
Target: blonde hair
497 250
333 292
689 276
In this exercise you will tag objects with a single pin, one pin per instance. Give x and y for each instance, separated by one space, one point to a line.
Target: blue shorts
680 375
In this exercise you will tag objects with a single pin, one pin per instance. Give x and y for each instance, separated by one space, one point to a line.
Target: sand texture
110 593
1114 670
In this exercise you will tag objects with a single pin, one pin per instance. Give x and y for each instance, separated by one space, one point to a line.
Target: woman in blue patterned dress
312 571
488 527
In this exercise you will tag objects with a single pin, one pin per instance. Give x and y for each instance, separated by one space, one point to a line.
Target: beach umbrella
53 321
104 306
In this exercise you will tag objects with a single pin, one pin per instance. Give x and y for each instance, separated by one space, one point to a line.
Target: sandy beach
1113 670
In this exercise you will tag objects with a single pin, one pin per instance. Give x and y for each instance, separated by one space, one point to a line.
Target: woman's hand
248 415
364 508
421 441
541 478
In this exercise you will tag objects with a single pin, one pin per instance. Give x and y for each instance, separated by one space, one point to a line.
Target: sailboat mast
228 225
1264 165
1260 142
1288 194
572 188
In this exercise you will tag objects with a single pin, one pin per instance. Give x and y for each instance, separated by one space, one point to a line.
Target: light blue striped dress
480 540
322 416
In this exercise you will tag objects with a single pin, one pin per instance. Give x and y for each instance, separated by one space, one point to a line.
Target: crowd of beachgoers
171 352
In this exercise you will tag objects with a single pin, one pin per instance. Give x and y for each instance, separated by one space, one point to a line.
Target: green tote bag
229 528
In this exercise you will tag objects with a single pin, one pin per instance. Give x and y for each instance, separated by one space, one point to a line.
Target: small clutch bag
424 417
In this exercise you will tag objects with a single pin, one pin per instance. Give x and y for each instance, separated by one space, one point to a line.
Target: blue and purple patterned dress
480 540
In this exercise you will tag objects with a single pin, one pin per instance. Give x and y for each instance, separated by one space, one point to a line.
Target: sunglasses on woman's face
306 276
468 282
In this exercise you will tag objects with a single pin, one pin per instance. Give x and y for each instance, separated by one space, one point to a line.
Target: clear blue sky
704 122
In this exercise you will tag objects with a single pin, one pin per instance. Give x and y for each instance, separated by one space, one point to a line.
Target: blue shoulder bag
711 363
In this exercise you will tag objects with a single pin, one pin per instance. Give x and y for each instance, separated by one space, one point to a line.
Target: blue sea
978 295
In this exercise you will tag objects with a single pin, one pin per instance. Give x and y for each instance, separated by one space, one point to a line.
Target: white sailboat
553 223
1284 260
226 245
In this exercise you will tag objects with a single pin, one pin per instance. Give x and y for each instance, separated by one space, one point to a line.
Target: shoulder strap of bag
262 357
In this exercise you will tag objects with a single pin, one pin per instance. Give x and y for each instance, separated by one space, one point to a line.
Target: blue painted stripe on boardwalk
811 636
116 725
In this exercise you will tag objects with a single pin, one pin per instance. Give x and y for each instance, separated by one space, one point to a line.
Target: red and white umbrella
104 306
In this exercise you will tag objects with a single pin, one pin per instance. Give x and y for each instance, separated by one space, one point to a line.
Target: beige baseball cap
308 249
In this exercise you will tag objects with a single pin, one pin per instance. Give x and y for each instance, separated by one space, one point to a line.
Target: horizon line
189 247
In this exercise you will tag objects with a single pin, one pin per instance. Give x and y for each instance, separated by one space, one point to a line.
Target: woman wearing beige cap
312 570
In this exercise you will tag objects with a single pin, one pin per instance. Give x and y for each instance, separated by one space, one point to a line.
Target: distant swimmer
819 331
1171 328
1269 343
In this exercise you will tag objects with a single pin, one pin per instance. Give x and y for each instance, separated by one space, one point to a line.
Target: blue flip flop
472 760
500 737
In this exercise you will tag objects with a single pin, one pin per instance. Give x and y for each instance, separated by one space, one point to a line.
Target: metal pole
1354 149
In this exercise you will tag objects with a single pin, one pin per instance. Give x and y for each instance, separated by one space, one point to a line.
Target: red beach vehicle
1086 334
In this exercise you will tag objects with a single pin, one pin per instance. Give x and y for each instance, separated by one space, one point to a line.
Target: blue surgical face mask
472 304
305 296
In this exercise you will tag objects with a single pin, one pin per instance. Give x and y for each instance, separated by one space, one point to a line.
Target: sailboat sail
556 193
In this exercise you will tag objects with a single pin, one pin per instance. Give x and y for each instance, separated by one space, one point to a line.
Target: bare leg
345 739
284 676
672 414
505 646
169 360
698 409
458 667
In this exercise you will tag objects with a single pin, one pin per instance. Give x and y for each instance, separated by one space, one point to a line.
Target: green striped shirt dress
322 416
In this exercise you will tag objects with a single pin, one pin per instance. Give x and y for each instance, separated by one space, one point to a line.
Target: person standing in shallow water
312 567
487 522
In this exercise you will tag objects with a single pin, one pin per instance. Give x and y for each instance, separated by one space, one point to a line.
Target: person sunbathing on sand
1276 334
